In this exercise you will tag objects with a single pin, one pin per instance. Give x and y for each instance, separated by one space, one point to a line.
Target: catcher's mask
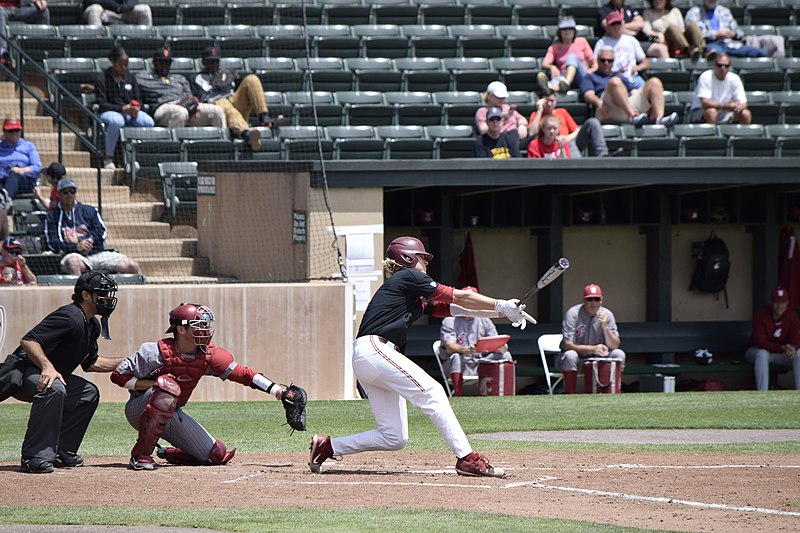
200 320
105 288
404 251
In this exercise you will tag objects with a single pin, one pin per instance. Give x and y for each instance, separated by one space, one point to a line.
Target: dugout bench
652 347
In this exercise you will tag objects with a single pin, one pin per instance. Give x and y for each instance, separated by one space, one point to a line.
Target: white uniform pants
389 378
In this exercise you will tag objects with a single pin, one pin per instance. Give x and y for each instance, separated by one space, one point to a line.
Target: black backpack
713 267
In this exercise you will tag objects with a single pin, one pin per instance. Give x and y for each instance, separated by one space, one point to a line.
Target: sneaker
711 56
108 164
65 459
142 462
477 465
267 121
253 138
5 57
563 86
669 120
695 54
620 151
640 120
321 450
34 465
542 81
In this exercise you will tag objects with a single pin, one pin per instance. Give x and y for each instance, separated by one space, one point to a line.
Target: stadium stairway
165 253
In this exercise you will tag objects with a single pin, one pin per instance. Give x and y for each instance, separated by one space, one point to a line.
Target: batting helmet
97 283
199 318
404 251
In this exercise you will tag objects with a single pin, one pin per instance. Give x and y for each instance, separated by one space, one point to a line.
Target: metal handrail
15 73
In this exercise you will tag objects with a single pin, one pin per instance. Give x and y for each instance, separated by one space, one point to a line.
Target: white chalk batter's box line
542 483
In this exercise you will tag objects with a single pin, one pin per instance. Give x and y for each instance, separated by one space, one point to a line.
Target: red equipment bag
497 378
602 376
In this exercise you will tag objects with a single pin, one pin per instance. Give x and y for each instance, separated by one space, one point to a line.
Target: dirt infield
676 491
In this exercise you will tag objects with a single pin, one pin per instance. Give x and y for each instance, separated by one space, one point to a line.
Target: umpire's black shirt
67 337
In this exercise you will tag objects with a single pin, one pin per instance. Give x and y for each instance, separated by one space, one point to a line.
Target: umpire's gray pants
182 430
59 415
761 359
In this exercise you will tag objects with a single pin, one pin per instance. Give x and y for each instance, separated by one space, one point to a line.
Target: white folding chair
436 347
550 343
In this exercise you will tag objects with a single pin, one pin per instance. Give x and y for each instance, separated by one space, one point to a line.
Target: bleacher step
70 158
131 211
139 248
8 89
49 140
139 230
10 107
174 266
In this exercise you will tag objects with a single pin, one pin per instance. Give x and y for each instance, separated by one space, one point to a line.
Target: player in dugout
389 378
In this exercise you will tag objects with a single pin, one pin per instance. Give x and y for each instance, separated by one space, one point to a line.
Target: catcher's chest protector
187 372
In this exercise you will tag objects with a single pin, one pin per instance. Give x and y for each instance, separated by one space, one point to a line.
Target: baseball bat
547 278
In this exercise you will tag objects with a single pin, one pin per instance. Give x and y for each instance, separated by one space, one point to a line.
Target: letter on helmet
404 251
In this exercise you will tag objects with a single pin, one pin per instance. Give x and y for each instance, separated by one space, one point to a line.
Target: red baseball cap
12 124
779 295
592 291
614 16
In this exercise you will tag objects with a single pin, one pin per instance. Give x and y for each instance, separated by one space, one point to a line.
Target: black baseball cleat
65 459
34 465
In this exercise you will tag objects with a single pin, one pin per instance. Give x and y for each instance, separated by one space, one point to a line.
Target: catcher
162 375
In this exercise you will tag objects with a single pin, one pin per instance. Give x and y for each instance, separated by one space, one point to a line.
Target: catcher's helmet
199 318
404 251
97 283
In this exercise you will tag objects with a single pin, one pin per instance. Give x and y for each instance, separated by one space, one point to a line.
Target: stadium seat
700 140
355 142
163 14
201 12
615 139
789 103
283 41
186 40
87 41
204 143
522 46
444 12
787 139
382 40
254 13
334 41
763 110
459 106
478 41
365 108
539 12
39 41
328 112
405 142
237 40
584 13
179 186
767 12
293 13
652 140
302 143
399 12
452 142
492 12
431 41
347 12
414 108
62 13
423 74
144 148
518 73
747 141
374 74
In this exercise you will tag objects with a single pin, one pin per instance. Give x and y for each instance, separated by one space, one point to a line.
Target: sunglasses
67 191
723 65
615 23
494 119
13 131
13 252
606 60
592 299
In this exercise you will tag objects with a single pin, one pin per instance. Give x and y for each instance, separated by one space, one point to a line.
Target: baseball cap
11 243
494 112
614 16
567 23
469 288
212 52
56 170
163 54
592 291
12 124
498 89
66 183
779 295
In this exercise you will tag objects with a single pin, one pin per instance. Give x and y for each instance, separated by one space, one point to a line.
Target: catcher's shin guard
219 454
156 415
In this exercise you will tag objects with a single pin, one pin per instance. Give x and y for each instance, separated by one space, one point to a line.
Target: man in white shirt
629 57
719 96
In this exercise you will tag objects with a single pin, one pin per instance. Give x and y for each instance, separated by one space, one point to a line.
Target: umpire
62 403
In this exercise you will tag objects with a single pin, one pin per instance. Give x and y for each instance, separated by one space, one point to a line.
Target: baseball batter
162 375
589 330
389 378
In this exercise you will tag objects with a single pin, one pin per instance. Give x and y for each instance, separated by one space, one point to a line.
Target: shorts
103 261
613 114
723 117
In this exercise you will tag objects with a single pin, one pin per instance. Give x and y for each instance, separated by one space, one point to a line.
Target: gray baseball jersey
580 328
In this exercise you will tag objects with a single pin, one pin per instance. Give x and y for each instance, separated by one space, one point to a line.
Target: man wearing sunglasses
20 163
78 231
589 330
14 270
719 96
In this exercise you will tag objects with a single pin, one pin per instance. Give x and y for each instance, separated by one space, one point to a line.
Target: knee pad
157 414
219 454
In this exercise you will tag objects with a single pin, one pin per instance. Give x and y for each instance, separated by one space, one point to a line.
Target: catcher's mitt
294 400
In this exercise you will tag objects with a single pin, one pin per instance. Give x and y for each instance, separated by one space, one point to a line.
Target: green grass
256 427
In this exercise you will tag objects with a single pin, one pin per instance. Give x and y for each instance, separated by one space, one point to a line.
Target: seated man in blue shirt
618 102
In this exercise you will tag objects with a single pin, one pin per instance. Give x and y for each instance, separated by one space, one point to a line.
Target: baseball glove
294 400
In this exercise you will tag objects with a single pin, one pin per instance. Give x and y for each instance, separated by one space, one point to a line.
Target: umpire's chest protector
187 371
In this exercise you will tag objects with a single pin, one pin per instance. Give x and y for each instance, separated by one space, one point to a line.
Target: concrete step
70 158
49 141
10 107
141 248
35 124
88 175
8 89
132 211
174 266
139 230
118 195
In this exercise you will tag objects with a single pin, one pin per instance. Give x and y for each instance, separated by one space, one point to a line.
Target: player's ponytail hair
391 267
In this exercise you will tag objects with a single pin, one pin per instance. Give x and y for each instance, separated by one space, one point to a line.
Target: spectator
775 339
28 11
683 39
632 25
590 134
547 144
6 205
568 59
617 101
719 96
14 270
513 122
78 230
170 97
238 98
494 143
99 12
459 335
720 30
119 102
19 160
589 330
53 173
629 58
